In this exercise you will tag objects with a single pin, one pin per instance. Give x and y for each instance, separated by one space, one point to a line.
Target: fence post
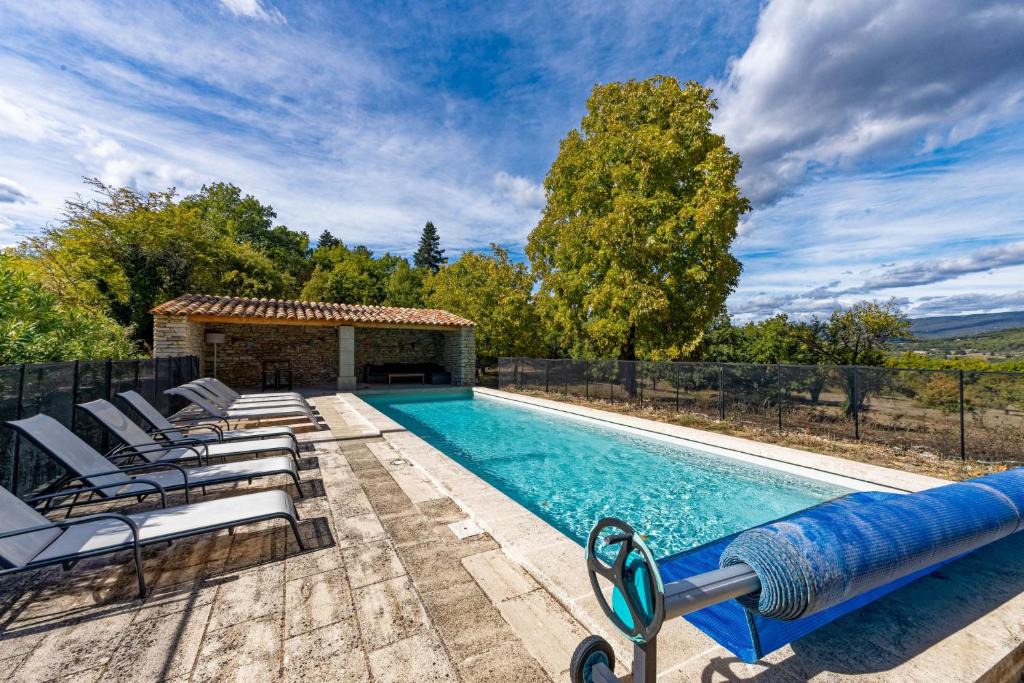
586 370
108 379
640 376
547 371
565 376
109 370
778 367
721 392
677 388
963 441
74 398
611 385
855 398
17 437
135 384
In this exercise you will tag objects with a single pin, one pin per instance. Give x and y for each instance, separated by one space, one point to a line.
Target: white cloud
937 270
929 231
522 192
285 119
253 9
17 120
970 303
827 84
105 158
11 192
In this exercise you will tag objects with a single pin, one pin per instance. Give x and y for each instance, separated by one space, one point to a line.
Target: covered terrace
274 343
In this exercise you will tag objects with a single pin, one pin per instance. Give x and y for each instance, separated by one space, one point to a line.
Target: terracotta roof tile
280 309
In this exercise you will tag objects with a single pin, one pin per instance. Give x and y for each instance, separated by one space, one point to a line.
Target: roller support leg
641 617
602 674
645 662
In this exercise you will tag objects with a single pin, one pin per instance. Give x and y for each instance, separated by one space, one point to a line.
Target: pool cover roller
796 574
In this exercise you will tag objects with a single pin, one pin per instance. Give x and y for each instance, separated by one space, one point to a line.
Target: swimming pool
572 471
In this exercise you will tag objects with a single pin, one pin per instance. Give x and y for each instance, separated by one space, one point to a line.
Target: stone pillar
460 355
346 358
175 335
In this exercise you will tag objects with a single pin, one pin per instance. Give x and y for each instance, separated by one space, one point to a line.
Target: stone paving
383 596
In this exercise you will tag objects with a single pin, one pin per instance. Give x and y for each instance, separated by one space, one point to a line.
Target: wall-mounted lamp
215 338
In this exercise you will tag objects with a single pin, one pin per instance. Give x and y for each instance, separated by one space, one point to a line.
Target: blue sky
883 142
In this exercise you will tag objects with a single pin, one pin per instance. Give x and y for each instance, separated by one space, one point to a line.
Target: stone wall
378 345
174 335
312 350
459 355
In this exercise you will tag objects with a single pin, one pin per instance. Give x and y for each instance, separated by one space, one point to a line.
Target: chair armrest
200 448
155 466
186 422
203 426
163 432
72 521
67 493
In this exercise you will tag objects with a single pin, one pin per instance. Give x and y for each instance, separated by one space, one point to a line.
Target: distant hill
991 346
946 326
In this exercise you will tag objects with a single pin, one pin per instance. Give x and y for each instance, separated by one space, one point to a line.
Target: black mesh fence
948 412
55 389
993 413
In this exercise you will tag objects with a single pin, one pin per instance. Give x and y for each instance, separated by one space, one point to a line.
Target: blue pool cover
827 561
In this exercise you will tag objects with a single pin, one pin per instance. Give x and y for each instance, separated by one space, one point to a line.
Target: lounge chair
226 392
136 441
244 403
239 414
28 540
165 429
90 473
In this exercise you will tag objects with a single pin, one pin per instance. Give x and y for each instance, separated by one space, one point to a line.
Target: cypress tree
430 254
327 240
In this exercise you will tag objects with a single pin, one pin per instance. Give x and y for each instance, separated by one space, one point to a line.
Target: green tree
632 249
121 252
355 276
429 255
36 328
344 275
494 293
246 220
404 286
860 335
327 240
780 340
723 342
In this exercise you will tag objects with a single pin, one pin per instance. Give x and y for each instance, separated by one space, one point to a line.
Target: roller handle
644 628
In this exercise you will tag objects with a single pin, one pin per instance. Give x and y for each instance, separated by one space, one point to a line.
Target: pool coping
556 561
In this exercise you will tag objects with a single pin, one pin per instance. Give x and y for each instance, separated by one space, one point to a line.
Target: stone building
323 343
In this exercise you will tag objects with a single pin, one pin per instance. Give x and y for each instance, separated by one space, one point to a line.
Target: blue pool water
571 471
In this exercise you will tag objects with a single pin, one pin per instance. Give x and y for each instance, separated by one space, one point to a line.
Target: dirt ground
898 457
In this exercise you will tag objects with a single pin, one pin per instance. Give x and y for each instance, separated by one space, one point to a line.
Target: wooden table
401 375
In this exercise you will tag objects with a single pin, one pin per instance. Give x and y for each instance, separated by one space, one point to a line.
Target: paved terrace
403 586
387 596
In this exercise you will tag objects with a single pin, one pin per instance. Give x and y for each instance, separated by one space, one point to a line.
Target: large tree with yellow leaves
632 250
